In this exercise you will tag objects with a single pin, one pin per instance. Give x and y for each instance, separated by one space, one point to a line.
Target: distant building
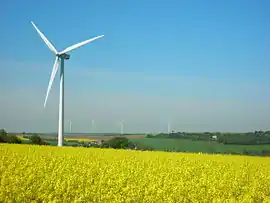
96 142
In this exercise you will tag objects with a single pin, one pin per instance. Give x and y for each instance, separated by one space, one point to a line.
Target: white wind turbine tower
70 125
92 125
121 123
169 127
62 55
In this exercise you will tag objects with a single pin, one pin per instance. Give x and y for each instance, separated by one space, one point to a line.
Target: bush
3 135
5 138
13 139
36 139
118 143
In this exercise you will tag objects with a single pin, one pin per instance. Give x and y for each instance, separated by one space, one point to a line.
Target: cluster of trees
119 142
6 138
116 143
250 138
36 139
122 143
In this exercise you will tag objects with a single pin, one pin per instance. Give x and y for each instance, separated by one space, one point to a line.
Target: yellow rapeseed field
51 174
21 137
80 139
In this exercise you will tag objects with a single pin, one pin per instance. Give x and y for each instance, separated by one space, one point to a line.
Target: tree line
13 139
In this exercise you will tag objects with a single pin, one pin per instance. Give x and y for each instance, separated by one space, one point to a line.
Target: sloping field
46 173
196 146
21 137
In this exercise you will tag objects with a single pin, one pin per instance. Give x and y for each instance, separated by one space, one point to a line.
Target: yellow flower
51 174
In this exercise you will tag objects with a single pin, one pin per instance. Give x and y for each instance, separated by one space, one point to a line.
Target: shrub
13 139
4 137
118 143
36 139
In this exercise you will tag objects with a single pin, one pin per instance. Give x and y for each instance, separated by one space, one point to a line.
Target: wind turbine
169 128
122 127
92 125
60 55
70 125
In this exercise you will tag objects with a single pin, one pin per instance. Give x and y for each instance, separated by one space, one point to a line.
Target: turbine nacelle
63 56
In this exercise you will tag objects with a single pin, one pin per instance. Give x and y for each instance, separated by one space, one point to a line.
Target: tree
14 139
36 139
3 135
118 143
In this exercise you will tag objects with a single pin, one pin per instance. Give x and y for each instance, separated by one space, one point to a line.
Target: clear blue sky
203 65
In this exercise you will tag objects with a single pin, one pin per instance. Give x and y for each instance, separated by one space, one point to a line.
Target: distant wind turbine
92 125
121 123
169 127
62 55
70 125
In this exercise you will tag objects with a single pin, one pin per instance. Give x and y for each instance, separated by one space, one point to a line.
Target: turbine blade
54 71
51 47
80 44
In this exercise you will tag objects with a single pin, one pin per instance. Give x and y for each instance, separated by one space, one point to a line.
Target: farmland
175 144
195 146
46 173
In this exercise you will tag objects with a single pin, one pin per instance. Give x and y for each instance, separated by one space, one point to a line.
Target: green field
195 146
